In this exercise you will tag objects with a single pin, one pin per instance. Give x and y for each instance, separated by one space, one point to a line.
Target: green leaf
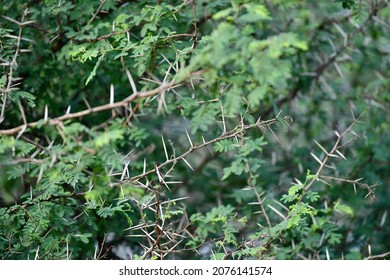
3 79
343 208
233 102
223 13
109 211
108 137
204 116
84 237
17 95
225 145
255 13
257 95
217 256
93 73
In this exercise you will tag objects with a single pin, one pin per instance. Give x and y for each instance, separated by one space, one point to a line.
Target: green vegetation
173 129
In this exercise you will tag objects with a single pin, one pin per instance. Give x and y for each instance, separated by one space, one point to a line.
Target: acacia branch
136 95
22 160
92 110
195 33
12 64
237 131
332 152
102 2
381 256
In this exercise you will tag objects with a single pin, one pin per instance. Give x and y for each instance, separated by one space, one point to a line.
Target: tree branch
230 134
12 64
333 151
138 95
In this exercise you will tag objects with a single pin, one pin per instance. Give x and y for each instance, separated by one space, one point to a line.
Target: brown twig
179 36
195 33
260 202
102 2
106 36
230 134
381 256
138 95
332 152
22 160
10 77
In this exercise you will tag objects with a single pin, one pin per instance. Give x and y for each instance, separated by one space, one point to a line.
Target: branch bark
136 95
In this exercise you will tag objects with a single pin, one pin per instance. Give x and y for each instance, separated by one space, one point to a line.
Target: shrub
173 130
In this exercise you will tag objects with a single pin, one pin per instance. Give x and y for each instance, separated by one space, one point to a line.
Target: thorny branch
13 63
155 231
195 33
381 256
136 95
102 2
236 132
335 153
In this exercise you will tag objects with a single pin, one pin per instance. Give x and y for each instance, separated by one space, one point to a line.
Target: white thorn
46 113
165 148
189 165
189 139
131 80
316 158
111 94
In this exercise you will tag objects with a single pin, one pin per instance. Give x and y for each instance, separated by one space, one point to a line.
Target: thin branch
179 36
104 37
333 150
341 179
195 33
260 201
22 160
105 107
12 65
232 133
102 2
381 256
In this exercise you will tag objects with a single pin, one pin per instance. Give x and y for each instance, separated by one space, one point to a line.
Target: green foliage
217 221
174 129
245 160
